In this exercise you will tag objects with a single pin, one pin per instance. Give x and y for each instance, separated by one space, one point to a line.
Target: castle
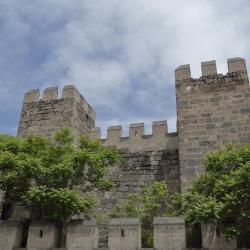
212 110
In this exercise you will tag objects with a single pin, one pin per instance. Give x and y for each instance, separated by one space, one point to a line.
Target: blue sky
121 54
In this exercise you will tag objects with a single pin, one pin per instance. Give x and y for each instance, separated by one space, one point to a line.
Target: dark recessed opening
41 233
25 231
122 233
217 231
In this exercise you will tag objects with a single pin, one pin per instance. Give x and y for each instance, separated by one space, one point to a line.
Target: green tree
147 204
54 177
221 195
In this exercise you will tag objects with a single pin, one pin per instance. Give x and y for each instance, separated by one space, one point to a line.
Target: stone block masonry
211 238
82 235
212 111
169 233
10 234
47 115
42 234
145 158
137 141
124 234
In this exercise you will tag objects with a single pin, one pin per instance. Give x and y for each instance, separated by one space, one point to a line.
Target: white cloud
120 54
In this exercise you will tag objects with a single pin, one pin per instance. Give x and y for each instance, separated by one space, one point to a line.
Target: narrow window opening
41 233
25 231
122 233
217 231
136 133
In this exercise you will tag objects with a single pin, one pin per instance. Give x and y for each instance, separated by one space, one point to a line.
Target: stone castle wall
123 233
140 169
212 111
144 159
47 115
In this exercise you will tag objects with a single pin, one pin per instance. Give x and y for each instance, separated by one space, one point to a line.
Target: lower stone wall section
45 234
123 234
82 235
212 240
139 169
169 233
10 234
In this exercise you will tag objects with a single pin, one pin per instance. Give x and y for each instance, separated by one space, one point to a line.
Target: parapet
51 94
237 73
32 96
137 141
183 72
170 232
124 233
168 220
209 68
236 64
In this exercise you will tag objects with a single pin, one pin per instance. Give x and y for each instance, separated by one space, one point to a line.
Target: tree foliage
54 176
222 194
147 204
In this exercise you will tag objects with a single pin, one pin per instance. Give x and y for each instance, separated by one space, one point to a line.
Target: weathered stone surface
169 233
212 111
48 115
124 233
82 235
136 170
43 234
137 141
10 234
211 239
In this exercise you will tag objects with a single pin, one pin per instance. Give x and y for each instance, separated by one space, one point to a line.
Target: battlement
160 139
51 94
48 112
237 74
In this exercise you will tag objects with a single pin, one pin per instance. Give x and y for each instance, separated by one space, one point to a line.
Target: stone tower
212 111
47 115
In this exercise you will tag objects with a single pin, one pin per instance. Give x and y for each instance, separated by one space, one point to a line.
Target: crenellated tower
47 115
212 110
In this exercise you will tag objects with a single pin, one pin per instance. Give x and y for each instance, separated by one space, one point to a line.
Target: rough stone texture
10 234
140 169
211 240
40 248
82 235
137 141
169 233
145 158
102 237
48 115
42 234
211 111
124 234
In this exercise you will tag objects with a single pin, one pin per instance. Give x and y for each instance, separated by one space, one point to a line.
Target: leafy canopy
54 176
222 194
